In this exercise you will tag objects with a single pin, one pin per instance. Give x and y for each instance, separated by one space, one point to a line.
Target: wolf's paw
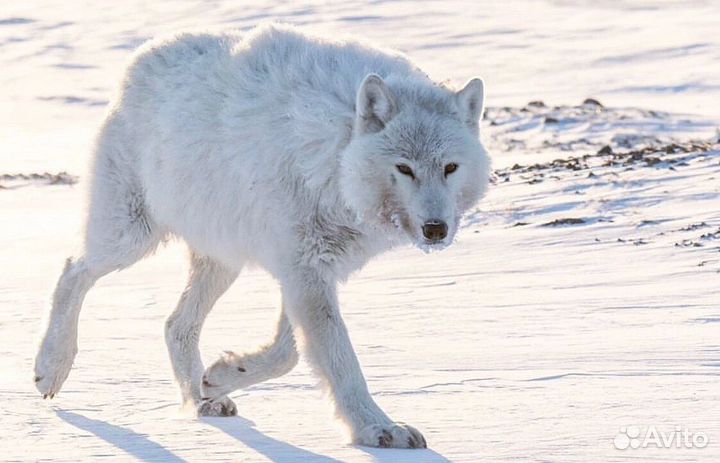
222 406
227 374
393 435
52 367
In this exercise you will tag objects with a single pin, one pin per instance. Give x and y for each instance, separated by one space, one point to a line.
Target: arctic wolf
303 155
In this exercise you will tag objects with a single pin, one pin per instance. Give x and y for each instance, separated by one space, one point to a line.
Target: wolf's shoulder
274 46
314 52
184 49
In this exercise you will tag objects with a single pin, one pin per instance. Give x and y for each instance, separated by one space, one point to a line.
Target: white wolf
304 155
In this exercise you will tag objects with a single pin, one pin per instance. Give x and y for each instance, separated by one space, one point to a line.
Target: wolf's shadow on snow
404 455
241 429
281 452
125 439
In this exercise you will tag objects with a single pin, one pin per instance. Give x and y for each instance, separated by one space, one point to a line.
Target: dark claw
385 441
45 396
52 396
416 440
412 442
229 410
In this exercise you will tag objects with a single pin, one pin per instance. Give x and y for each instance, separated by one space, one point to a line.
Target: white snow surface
533 338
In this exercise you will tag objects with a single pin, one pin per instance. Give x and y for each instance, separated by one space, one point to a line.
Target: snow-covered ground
582 296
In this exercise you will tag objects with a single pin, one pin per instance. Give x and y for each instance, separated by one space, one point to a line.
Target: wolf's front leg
208 281
313 307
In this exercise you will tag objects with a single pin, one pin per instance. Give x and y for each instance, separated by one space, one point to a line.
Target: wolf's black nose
435 230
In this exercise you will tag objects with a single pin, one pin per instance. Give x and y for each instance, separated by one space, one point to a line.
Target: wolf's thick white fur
303 155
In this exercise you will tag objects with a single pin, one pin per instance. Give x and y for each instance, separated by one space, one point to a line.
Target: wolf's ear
471 100
375 105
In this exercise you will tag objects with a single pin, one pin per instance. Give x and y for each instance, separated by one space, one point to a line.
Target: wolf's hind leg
119 232
208 281
59 343
235 371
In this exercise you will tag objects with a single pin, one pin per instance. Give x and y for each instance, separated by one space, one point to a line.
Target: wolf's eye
405 170
450 168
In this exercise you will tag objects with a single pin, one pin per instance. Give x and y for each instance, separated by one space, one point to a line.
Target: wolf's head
415 163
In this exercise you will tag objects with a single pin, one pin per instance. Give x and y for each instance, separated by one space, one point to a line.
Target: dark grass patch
46 178
565 221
